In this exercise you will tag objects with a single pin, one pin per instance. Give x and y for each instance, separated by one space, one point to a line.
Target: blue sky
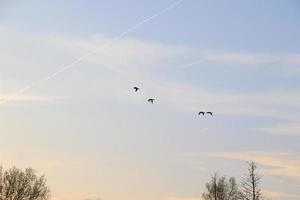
260 26
94 138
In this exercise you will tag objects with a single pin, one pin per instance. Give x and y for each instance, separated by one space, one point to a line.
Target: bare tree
17 184
250 189
220 189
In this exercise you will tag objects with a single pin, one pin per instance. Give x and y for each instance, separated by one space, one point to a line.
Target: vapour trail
191 64
78 60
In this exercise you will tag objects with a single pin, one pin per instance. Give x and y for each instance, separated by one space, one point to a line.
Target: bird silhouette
136 89
209 113
201 113
150 100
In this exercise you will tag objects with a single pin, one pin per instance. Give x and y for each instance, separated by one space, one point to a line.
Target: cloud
130 61
280 195
182 198
275 104
37 58
273 163
28 98
289 128
252 58
136 52
122 55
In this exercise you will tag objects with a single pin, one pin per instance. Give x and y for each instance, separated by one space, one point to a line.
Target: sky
84 127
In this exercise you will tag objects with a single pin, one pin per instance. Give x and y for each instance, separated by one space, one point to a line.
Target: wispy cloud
132 59
280 195
252 58
181 198
273 163
127 55
275 104
288 128
28 98
95 50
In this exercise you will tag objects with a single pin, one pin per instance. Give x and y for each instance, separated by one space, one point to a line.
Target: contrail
191 64
78 60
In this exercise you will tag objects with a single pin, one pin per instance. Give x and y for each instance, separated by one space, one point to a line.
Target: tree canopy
18 184
219 188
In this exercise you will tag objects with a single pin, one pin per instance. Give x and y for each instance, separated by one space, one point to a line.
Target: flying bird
150 100
209 113
136 89
201 113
